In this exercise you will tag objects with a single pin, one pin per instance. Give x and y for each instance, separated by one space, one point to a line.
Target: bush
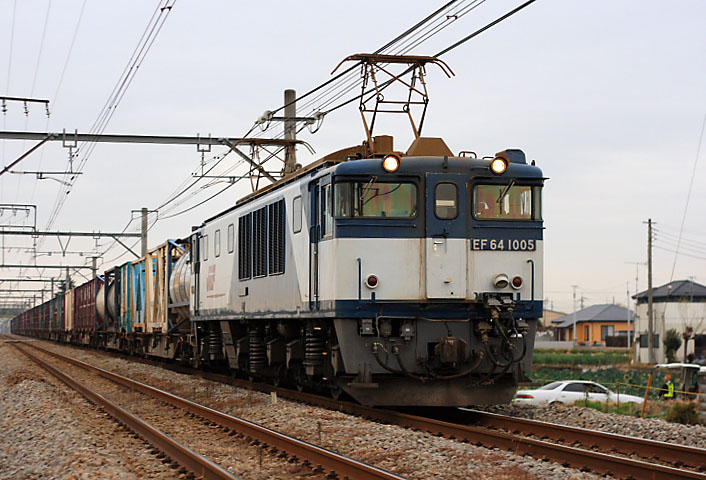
683 413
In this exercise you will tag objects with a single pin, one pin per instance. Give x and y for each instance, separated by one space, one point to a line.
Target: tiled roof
596 313
675 291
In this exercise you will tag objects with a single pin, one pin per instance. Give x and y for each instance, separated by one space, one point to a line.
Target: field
559 357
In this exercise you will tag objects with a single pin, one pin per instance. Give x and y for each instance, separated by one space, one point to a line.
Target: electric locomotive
400 278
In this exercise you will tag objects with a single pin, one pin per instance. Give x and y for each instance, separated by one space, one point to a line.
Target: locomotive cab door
321 222
445 239
196 272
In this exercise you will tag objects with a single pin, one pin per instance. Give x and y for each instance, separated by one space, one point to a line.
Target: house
679 305
594 324
549 316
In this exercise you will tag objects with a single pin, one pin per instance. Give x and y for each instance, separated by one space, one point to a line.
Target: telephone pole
650 310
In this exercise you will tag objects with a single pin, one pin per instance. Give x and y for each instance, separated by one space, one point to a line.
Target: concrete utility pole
290 130
144 231
627 304
574 314
650 312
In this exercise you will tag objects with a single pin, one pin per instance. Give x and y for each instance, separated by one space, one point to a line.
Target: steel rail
192 461
340 464
663 451
620 467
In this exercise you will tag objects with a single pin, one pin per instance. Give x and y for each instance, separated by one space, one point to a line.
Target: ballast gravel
47 431
651 428
414 455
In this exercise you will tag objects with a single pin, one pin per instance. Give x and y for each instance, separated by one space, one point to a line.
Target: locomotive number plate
503 244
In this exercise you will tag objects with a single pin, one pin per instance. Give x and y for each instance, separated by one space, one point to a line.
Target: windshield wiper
505 190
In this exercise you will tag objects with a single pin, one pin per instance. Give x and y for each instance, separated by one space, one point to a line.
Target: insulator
314 347
258 350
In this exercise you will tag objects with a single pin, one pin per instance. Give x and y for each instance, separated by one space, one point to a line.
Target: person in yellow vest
667 389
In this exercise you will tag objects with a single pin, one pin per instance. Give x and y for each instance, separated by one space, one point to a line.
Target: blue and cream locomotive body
410 279
401 279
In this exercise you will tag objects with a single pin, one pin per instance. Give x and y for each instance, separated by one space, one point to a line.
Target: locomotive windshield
507 202
375 199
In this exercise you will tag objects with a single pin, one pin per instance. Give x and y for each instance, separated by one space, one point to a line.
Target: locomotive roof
348 161
430 164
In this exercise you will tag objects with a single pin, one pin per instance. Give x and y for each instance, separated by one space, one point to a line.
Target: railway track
663 452
320 458
657 460
179 453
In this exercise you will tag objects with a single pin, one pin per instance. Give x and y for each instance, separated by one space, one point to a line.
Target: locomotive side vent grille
244 255
276 237
259 226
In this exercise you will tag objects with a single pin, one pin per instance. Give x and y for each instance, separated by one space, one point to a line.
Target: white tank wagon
401 279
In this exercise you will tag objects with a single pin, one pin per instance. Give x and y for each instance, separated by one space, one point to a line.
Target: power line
688 195
679 253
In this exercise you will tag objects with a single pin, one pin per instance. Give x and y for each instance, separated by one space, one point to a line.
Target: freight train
400 278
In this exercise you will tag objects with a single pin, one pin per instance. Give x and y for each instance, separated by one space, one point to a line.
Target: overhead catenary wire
331 83
688 195
335 89
61 81
328 87
139 54
31 94
7 84
379 50
442 52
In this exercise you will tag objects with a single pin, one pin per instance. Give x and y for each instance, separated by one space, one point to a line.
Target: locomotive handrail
530 261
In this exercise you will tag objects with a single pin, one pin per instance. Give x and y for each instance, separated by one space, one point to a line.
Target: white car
570 391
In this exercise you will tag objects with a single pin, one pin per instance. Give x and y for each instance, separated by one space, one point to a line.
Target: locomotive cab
432 269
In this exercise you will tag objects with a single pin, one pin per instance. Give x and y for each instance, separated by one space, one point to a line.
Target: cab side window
446 201
326 214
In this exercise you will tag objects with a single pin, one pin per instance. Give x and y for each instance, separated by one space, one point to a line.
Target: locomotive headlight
498 165
501 280
391 163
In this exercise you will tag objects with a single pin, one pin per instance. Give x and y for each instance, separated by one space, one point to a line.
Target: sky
608 97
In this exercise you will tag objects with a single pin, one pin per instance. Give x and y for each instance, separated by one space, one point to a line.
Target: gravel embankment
415 455
236 455
49 432
651 428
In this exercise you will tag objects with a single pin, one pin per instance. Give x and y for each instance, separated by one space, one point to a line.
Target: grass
622 408
671 411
